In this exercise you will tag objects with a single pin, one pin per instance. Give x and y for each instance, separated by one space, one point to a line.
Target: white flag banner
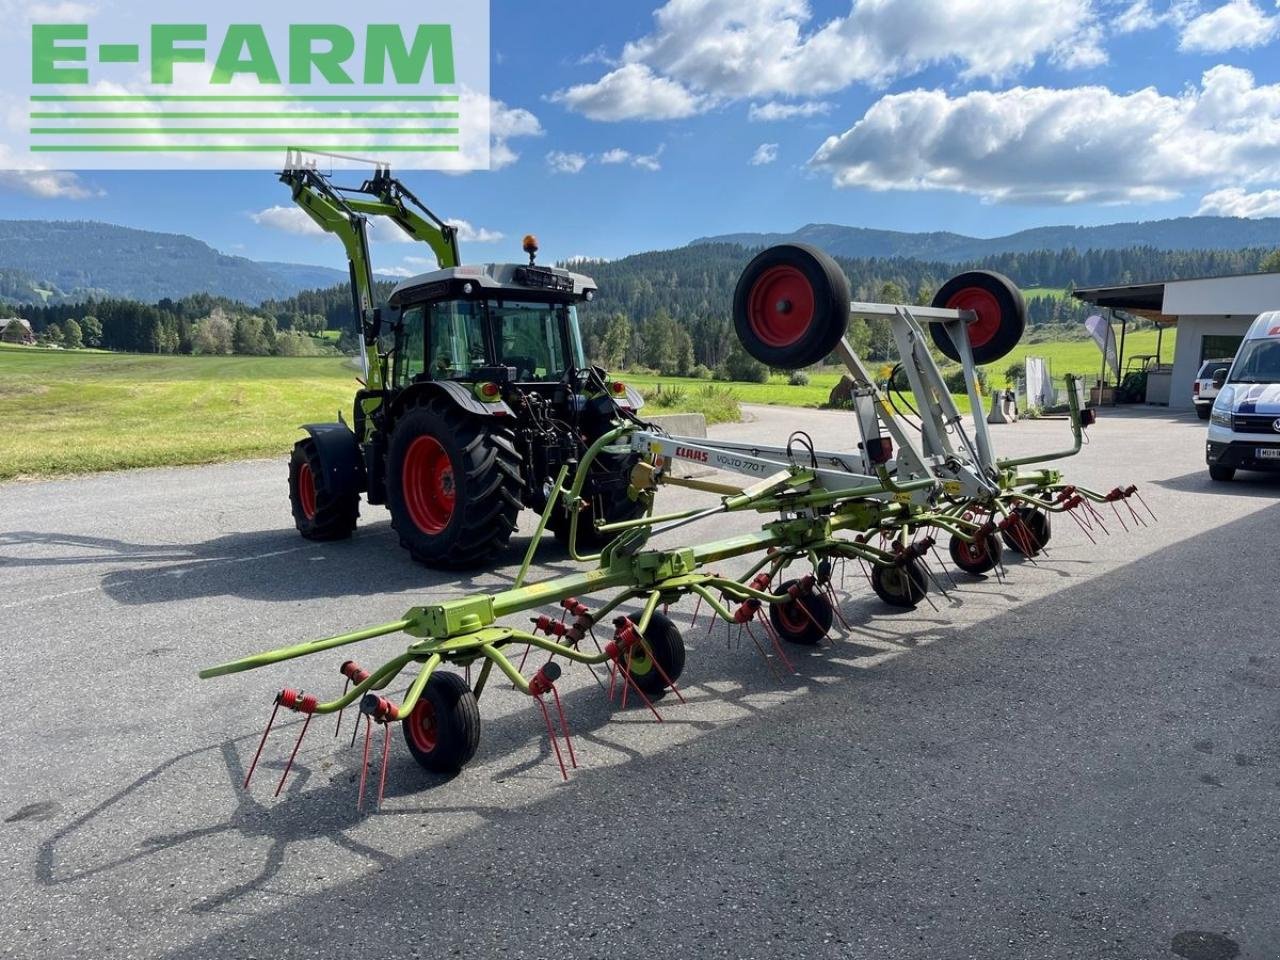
1104 335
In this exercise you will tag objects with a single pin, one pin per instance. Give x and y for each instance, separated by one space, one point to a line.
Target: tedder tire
976 557
791 622
453 485
900 586
791 306
664 640
443 731
1035 521
608 500
319 514
1002 314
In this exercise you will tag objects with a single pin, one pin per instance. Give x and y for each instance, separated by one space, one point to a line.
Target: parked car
1203 390
1244 424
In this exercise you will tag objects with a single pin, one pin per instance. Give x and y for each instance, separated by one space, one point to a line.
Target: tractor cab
494 323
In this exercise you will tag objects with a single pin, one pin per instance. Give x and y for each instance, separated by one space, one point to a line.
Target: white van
1244 424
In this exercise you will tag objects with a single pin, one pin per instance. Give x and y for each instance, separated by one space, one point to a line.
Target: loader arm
345 212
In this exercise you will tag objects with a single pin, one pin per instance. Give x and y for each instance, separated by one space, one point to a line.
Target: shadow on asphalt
271 565
1083 776
1245 484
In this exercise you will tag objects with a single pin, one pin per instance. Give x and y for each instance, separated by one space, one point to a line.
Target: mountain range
1182 233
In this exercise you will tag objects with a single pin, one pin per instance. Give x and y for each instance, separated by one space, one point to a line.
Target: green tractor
475 393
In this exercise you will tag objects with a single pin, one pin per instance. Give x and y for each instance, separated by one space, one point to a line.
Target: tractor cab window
455 339
534 338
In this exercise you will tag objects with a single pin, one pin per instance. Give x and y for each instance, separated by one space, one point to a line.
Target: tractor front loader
475 392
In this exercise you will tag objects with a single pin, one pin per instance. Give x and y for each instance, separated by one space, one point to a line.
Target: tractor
475 392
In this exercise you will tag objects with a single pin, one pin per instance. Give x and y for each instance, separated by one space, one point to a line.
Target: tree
213 334
741 366
72 335
91 328
246 336
615 342
52 334
1270 263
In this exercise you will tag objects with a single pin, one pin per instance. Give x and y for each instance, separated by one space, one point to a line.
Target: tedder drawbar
883 506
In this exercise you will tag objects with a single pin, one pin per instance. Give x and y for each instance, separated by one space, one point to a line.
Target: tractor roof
487 279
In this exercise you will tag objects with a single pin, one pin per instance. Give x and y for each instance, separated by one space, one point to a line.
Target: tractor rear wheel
443 730
318 512
667 648
607 499
453 485
901 585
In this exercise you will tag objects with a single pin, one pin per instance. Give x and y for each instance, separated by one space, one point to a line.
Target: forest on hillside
667 310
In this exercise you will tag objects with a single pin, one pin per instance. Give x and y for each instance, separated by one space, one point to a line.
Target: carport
1211 315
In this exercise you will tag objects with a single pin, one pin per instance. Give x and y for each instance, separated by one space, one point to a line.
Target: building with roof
16 330
1210 314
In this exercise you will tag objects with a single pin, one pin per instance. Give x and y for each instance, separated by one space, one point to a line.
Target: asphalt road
1079 762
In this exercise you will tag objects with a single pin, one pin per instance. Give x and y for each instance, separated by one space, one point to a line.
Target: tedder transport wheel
977 557
318 513
1038 525
1002 314
607 498
791 621
453 485
900 586
667 646
443 730
791 306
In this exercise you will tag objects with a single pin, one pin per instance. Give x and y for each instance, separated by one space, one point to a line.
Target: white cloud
287 219
505 123
1238 24
705 52
768 112
765 153
616 155
648 161
561 161
1086 144
472 234
632 92
394 272
1235 202
49 184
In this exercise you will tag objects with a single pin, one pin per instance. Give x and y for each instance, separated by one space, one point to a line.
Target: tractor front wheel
900 585
443 729
319 513
453 485
663 643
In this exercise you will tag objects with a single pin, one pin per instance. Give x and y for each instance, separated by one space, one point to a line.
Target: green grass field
82 411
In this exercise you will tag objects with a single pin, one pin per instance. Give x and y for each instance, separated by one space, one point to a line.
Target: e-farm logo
127 90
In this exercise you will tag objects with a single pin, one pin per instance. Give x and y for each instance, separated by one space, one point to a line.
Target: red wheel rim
780 308
986 306
975 552
792 617
429 492
307 491
423 729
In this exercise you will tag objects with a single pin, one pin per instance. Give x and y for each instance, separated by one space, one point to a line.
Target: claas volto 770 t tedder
475 391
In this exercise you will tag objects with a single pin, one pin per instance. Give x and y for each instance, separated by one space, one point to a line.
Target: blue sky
628 126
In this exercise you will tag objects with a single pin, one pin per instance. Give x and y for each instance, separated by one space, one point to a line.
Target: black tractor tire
977 557
607 500
453 485
443 729
1037 523
791 623
1221 474
791 306
902 585
319 513
1001 310
667 646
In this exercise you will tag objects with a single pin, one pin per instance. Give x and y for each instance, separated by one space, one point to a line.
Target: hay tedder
882 505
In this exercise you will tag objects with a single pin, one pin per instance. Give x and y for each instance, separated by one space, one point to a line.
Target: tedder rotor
882 506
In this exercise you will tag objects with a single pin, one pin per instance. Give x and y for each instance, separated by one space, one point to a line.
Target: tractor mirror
373 321
1219 377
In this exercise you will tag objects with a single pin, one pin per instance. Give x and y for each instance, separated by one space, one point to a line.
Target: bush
665 397
742 367
701 372
954 379
798 378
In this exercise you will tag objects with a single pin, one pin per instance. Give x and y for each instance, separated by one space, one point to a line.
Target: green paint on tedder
880 506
